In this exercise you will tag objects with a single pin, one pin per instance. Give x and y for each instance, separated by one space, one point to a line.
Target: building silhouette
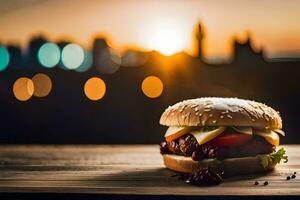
30 57
103 58
244 53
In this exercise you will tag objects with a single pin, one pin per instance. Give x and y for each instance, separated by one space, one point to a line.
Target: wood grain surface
123 169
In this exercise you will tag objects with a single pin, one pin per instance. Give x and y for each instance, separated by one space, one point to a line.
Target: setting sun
165 35
167 42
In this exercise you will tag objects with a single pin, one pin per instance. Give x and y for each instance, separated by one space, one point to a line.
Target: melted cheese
175 132
270 136
242 129
203 135
279 131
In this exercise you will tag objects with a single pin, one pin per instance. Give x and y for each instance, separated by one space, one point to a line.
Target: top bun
213 111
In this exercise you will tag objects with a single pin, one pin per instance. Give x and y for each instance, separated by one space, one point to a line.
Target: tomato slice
230 139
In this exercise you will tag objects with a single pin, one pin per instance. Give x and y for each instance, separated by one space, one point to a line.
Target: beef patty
188 146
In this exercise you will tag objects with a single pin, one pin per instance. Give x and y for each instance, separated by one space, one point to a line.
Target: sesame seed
253 120
229 116
210 115
222 116
207 110
194 106
196 109
214 121
200 114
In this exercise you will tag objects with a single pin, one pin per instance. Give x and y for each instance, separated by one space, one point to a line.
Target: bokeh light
23 88
134 58
49 55
152 86
72 56
4 58
42 85
115 56
87 62
94 88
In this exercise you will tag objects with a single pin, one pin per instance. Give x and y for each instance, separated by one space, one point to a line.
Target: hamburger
229 135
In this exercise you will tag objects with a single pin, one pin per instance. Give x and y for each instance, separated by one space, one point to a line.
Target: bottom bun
230 166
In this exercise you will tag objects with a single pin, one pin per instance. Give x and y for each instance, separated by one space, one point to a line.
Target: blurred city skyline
164 26
63 93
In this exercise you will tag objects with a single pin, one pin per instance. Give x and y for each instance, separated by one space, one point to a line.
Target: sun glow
165 35
167 42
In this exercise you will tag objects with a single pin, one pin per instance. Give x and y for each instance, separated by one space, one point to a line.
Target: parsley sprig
274 158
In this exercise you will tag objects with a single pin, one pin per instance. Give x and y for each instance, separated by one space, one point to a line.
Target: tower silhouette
200 36
244 52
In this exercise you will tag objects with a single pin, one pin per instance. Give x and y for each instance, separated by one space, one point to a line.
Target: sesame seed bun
231 166
213 111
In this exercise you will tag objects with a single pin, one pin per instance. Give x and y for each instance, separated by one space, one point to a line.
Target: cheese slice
203 135
243 129
270 136
175 132
279 131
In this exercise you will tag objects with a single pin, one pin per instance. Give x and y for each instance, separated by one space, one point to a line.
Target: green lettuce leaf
278 156
274 158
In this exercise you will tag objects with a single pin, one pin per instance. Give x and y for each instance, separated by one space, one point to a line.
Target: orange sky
152 24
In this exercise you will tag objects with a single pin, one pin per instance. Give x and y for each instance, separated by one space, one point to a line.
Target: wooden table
130 169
